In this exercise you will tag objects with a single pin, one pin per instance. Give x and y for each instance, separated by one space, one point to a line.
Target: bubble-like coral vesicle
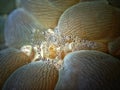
20 28
10 60
96 21
47 12
85 69
37 76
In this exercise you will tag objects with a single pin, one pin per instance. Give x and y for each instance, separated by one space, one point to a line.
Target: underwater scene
59 44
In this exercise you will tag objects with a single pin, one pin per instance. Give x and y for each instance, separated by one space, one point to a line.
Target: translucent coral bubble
20 28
